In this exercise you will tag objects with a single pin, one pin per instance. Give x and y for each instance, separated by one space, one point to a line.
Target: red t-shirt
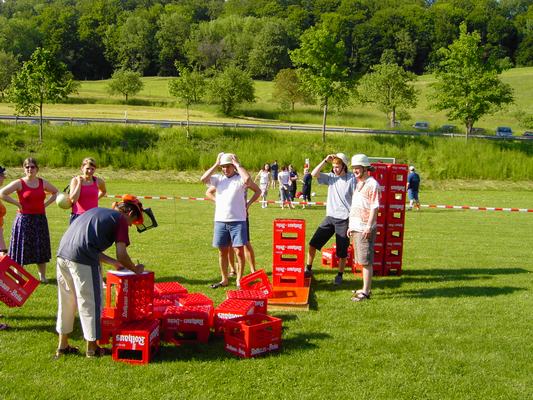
32 199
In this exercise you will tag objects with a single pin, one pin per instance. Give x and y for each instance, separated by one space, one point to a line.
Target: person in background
341 185
284 182
274 170
78 269
264 183
362 225
86 189
3 247
30 237
413 184
231 210
306 186
293 182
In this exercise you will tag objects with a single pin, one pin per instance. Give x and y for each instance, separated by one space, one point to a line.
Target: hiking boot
308 273
338 280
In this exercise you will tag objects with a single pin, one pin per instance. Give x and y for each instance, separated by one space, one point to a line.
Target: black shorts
328 227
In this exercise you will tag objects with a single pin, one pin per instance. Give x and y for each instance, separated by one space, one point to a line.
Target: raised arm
319 167
207 174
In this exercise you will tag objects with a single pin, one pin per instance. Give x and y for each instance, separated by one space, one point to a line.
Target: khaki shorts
364 248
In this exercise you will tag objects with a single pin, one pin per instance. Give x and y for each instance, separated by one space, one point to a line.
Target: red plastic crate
161 305
395 235
398 177
258 297
16 284
396 216
289 231
187 324
378 269
395 197
129 296
136 342
257 280
253 335
195 299
288 255
330 259
108 327
229 309
381 174
169 290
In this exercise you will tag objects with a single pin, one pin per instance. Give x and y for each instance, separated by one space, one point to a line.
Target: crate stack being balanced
288 253
388 247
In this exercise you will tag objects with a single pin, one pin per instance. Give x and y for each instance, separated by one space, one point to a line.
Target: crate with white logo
136 342
253 335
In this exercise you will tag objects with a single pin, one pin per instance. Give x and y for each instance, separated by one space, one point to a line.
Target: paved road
283 127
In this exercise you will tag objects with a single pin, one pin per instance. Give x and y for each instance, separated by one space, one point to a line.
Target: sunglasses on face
30 167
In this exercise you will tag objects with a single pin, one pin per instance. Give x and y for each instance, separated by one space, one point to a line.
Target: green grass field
155 102
455 325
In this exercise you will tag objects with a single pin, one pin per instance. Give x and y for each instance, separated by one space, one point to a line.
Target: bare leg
368 271
240 263
63 341
250 255
310 255
42 272
223 263
342 264
231 262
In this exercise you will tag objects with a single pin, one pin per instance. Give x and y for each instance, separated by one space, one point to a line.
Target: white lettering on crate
294 269
4 286
154 334
194 321
16 295
228 315
125 290
297 248
130 339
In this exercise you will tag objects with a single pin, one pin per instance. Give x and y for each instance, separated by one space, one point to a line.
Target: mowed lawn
455 325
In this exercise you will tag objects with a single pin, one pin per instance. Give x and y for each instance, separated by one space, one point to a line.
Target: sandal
69 350
232 274
98 352
217 285
360 297
361 291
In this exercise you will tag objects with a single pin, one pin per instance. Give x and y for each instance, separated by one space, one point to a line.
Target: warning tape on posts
323 203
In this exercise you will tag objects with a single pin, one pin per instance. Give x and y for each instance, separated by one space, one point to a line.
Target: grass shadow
459 292
459 272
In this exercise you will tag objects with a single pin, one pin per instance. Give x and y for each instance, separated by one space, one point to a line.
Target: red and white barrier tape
323 203
511 209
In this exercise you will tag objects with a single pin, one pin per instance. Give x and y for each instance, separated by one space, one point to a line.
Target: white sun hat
342 157
226 159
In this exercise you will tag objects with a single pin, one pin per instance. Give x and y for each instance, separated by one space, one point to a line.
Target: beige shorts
364 248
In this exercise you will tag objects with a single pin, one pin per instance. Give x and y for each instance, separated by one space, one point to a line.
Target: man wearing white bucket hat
231 210
363 216
341 185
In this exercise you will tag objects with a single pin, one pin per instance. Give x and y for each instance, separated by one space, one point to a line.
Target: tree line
94 38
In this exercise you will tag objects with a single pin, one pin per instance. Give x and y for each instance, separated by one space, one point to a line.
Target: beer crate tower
288 253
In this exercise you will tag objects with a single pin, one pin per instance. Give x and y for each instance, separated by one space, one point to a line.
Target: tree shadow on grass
458 292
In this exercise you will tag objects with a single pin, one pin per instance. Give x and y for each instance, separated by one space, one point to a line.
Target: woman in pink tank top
86 189
30 237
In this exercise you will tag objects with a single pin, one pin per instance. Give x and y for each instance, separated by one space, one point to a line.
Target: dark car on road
528 134
421 125
504 131
448 129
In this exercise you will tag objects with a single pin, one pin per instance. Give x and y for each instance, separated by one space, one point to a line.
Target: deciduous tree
42 79
189 87
231 87
388 86
8 67
321 68
468 86
125 82
287 88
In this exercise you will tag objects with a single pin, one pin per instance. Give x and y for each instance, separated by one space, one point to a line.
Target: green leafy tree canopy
468 86
230 88
388 86
125 82
321 68
42 79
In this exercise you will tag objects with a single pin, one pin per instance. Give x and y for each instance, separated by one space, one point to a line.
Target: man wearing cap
363 217
78 273
413 183
341 184
231 211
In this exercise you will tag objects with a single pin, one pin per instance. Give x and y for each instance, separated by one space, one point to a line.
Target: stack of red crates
288 258
388 247
128 317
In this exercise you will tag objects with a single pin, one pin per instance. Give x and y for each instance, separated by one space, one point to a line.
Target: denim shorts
233 234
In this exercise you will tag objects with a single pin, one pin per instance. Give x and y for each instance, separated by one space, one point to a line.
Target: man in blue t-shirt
341 184
78 268
413 183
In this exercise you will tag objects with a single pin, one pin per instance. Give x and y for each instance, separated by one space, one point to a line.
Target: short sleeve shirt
230 198
340 191
365 198
92 233
414 181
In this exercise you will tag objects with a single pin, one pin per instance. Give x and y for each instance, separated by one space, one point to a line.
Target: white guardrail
172 123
